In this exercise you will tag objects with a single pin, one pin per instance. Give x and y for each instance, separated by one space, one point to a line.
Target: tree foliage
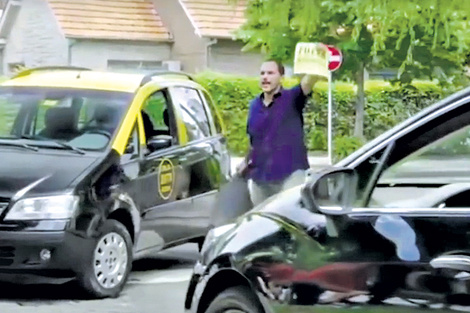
407 33
420 38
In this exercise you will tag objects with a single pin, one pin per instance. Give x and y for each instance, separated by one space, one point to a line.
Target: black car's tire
109 264
235 299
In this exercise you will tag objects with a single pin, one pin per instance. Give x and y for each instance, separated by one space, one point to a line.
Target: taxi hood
35 174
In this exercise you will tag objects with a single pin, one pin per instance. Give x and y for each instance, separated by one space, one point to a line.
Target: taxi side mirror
159 142
129 149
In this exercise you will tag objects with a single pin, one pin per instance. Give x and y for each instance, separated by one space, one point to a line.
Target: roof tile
123 19
216 18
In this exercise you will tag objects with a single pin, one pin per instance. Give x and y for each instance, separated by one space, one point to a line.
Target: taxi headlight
44 208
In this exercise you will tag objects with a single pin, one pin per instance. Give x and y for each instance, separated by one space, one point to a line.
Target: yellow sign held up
311 58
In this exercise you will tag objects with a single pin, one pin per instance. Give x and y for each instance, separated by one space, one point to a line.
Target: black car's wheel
235 300
110 263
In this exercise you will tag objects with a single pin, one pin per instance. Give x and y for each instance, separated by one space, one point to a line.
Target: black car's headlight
43 208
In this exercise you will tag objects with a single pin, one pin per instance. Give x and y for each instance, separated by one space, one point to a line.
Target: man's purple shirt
277 136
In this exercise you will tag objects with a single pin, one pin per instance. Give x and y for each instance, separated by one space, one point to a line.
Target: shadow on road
179 257
32 293
176 258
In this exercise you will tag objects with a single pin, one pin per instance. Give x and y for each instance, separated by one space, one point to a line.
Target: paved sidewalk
315 161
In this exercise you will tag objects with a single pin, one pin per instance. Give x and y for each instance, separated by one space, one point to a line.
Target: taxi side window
215 117
157 117
193 112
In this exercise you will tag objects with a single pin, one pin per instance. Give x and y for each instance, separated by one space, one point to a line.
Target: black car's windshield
61 118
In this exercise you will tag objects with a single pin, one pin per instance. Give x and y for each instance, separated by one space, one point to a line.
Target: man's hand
242 167
308 81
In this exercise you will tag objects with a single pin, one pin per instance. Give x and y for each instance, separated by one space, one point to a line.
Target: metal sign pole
330 114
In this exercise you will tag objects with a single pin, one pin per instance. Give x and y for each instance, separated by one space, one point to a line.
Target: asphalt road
155 285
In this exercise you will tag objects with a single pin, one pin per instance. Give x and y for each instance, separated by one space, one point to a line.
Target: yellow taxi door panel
165 202
201 154
164 183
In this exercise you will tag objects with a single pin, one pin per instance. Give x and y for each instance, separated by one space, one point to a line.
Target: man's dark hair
279 64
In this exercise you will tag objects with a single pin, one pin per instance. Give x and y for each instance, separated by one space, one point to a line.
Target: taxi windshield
74 118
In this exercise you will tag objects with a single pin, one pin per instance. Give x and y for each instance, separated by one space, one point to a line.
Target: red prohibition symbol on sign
336 58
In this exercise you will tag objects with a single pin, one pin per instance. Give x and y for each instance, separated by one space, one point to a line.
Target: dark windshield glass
84 119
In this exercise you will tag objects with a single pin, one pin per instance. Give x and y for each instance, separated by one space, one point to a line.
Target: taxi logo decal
166 178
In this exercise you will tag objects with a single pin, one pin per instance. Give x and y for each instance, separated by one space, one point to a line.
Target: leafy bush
345 145
386 106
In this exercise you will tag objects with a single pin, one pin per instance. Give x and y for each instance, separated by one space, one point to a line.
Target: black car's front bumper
42 256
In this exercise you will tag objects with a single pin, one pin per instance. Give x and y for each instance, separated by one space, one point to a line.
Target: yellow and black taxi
99 169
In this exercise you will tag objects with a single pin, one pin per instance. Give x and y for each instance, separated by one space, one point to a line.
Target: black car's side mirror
331 192
159 142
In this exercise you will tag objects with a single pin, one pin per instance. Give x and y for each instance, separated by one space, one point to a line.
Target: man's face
270 78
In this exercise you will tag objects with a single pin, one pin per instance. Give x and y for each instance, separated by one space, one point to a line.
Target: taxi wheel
235 300
110 263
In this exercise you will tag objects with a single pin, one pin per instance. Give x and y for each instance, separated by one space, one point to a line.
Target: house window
16 67
132 65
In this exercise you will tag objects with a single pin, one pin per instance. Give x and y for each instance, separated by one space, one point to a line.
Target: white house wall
35 38
95 54
226 56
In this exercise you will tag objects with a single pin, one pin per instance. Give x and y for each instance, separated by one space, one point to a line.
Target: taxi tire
235 299
87 279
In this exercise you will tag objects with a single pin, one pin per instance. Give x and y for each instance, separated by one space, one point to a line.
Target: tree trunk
360 103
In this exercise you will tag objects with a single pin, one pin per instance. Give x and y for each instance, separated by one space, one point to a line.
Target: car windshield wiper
68 146
57 142
18 144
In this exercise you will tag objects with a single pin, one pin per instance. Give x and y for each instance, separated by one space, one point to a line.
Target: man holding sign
278 155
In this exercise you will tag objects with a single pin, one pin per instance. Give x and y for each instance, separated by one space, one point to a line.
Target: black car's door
206 156
411 207
425 178
162 180
403 237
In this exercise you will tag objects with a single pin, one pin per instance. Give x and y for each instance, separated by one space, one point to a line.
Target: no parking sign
322 60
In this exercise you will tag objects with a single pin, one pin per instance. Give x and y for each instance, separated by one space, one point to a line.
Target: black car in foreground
386 229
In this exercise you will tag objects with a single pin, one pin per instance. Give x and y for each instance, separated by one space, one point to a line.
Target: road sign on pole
334 62
321 60
336 58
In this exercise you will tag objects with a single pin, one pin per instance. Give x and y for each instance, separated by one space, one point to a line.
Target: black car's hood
280 215
37 173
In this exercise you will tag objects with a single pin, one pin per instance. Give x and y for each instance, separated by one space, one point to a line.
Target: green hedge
386 105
